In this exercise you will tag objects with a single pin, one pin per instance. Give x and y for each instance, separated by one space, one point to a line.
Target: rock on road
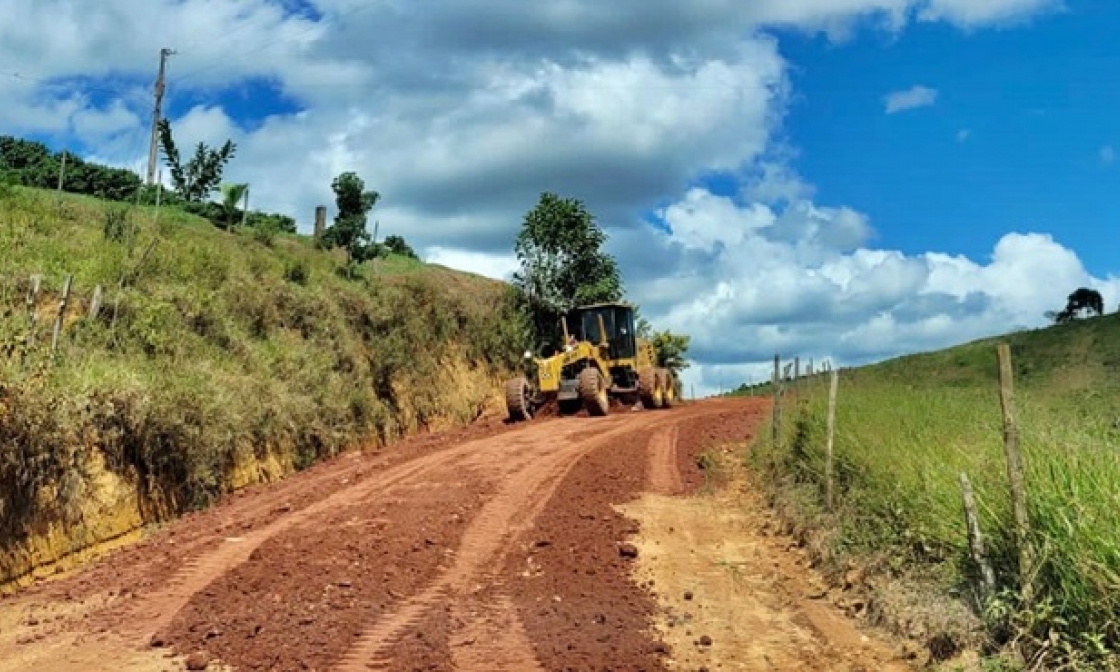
492 547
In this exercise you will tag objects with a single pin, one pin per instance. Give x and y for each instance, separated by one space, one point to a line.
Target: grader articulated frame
602 359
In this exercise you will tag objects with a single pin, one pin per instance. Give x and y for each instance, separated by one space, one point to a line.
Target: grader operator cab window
619 323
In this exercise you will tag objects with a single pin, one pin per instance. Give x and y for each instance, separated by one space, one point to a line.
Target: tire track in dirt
155 611
491 627
506 485
664 474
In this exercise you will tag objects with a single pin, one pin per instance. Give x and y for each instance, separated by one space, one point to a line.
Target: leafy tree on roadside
562 263
349 229
670 349
196 179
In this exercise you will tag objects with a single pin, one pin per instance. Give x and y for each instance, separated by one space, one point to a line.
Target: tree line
195 180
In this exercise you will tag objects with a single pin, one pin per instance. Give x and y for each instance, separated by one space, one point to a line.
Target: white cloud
1108 154
761 292
910 99
970 13
498 266
461 115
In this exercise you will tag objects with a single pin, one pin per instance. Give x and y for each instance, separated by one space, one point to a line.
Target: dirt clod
197 661
628 550
705 640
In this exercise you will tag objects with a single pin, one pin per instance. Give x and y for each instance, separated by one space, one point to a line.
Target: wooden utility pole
157 114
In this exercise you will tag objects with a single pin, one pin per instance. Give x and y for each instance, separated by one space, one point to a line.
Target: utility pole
156 115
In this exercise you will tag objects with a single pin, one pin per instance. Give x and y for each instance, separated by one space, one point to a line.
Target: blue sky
1038 104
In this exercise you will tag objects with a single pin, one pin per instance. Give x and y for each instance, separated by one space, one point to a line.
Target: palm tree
232 195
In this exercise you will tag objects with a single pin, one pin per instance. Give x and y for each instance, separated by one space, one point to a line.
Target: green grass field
226 348
906 429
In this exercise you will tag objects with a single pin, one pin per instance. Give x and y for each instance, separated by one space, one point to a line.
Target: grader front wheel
669 388
518 399
649 388
593 391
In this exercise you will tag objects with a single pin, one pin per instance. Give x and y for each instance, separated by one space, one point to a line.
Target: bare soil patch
733 594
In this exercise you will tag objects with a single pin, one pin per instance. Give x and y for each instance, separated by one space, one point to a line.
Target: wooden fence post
63 302
1015 471
828 487
797 377
95 303
776 420
320 221
976 539
32 298
61 180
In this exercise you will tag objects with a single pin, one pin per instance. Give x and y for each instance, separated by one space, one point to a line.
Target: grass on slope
226 348
906 429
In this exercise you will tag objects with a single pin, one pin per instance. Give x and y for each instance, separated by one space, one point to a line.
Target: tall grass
225 348
906 429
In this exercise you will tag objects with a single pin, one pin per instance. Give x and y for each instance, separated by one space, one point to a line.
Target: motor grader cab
601 358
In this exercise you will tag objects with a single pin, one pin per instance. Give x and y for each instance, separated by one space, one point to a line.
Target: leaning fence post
828 488
1015 470
976 539
62 303
95 303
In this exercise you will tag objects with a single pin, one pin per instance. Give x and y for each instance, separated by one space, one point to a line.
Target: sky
832 179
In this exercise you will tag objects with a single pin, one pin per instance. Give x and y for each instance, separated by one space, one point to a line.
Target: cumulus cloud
913 98
823 294
461 115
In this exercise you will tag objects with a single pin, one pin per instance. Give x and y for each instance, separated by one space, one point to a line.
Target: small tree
670 349
349 228
398 245
195 180
1080 300
1084 298
562 265
232 195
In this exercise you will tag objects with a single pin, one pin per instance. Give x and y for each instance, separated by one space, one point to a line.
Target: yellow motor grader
601 358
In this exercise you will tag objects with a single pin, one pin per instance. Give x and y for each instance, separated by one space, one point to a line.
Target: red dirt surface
494 547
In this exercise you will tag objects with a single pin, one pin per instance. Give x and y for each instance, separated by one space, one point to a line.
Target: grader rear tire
518 396
593 391
669 388
649 388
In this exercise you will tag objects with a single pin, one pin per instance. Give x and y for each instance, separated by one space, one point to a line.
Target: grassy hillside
228 358
906 429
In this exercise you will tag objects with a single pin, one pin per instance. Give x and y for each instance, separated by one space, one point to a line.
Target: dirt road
490 548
